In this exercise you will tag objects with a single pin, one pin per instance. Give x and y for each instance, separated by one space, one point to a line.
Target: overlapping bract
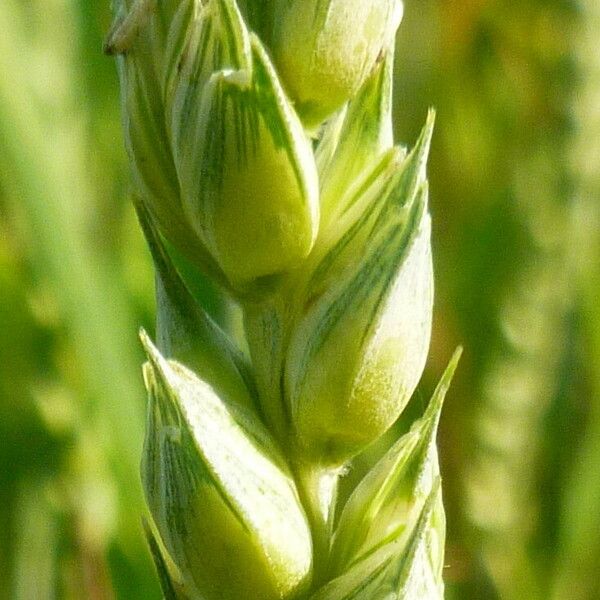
220 494
325 50
139 40
217 151
407 567
359 344
247 172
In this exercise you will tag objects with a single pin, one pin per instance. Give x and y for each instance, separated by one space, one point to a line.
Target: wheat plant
260 141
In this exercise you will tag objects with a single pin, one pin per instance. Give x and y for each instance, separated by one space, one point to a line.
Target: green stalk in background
75 471
262 156
579 548
508 91
508 486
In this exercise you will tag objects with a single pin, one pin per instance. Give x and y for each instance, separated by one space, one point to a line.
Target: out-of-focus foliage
515 181
516 201
75 285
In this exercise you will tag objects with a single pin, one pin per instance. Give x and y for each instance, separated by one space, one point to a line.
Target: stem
317 486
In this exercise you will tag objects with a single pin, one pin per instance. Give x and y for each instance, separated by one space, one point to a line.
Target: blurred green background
515 179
